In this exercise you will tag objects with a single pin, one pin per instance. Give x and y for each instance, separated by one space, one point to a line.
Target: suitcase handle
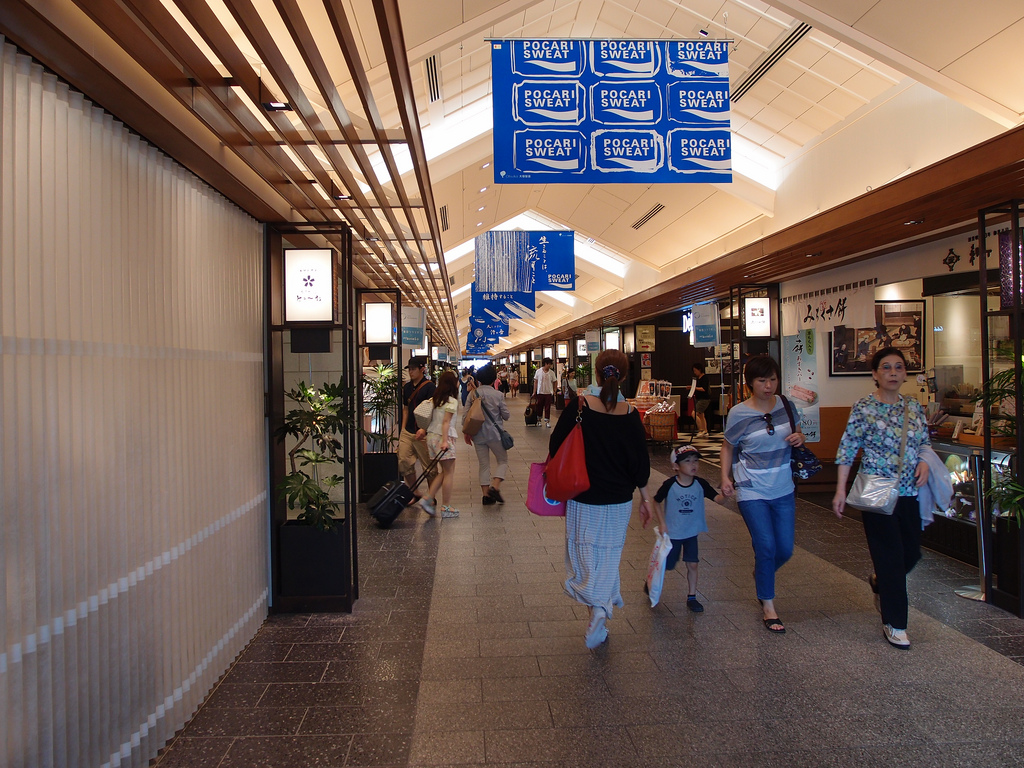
429 467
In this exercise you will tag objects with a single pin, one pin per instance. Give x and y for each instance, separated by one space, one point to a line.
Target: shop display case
956 532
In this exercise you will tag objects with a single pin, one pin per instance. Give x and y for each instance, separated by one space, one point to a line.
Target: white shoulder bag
875 493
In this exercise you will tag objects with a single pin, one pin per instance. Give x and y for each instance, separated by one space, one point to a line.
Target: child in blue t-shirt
679 504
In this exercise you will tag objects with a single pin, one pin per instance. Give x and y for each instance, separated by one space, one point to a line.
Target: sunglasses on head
768 424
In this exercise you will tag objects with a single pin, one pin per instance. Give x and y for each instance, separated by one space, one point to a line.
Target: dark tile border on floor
327 689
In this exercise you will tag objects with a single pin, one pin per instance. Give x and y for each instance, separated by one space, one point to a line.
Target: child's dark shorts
685 547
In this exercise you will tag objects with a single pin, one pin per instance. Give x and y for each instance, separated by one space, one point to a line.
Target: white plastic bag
656 567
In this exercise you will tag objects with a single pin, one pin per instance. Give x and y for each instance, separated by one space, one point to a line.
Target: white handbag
424 412
875 493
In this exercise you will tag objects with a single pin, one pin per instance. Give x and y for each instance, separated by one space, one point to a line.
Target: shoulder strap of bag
492 419
789 412
903 438
417 389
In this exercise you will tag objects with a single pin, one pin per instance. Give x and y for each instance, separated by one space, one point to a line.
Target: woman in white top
441 435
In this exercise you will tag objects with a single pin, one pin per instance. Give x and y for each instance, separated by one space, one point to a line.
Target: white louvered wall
133 515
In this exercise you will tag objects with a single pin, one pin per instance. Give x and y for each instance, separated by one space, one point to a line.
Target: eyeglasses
768 424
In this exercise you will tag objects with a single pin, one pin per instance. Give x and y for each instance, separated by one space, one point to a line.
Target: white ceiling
858 55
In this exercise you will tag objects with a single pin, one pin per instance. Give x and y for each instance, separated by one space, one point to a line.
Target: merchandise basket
661 425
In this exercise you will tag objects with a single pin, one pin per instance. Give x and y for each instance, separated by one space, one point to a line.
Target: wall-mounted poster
645 359
645 338
898 324
712 366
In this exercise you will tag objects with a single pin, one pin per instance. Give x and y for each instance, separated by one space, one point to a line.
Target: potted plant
583 374
1006 494
315 547
1007 499
382 407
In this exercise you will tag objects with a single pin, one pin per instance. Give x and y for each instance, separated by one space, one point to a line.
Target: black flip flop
775 625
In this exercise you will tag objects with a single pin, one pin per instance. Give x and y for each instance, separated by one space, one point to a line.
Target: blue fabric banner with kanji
516 260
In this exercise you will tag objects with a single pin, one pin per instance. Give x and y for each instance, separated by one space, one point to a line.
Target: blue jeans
772 526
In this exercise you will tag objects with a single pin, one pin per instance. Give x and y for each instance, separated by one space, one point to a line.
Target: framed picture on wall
898 324
645 359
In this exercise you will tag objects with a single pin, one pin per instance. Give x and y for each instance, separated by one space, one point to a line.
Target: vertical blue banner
502 305
611 111
490 326
525 261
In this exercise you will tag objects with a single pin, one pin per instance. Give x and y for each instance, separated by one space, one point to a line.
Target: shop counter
956 532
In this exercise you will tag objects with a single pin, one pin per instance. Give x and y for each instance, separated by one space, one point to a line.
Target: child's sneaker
428 506
694 605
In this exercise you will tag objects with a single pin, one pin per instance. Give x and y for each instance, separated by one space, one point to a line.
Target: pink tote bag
536 501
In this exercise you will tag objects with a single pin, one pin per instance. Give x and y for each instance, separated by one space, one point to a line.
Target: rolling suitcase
531 414
387 503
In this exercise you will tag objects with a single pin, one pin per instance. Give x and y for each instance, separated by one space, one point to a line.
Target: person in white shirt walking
544 389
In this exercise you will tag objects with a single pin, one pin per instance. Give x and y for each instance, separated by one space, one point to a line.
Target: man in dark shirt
416 390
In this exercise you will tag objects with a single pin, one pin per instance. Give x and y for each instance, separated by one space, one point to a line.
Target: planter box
377 469
1006 566
315 569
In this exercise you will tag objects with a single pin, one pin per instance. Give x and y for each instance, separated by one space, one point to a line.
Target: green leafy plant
1002 386
583 374
381 402
315 424
1007 495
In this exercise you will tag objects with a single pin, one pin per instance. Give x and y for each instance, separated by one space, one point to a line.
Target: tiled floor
463 650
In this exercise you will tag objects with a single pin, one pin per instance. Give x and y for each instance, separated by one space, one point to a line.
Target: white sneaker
428 506
597 632
896 637
547 424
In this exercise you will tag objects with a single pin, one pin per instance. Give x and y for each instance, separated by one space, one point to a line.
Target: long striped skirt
594 537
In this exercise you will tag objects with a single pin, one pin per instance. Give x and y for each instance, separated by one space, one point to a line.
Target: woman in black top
596 520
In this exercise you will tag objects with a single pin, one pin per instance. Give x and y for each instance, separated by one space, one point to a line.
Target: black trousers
895 545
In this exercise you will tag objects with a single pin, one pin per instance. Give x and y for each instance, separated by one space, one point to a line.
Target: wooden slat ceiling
190 76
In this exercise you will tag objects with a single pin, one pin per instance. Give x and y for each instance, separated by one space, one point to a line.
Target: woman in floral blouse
876 427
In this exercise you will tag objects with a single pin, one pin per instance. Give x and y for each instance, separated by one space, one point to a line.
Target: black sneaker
495 495
694 605
487 501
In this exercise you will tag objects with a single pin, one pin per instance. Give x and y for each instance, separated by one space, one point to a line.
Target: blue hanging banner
489 326
611 111
525 261
502 305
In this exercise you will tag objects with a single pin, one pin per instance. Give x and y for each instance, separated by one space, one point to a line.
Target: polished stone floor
464 651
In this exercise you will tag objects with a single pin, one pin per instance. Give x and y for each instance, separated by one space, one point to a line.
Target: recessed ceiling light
485 165
703 32
479 223
484 189
480 208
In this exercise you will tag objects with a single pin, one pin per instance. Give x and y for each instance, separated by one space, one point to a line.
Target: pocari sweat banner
593 111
